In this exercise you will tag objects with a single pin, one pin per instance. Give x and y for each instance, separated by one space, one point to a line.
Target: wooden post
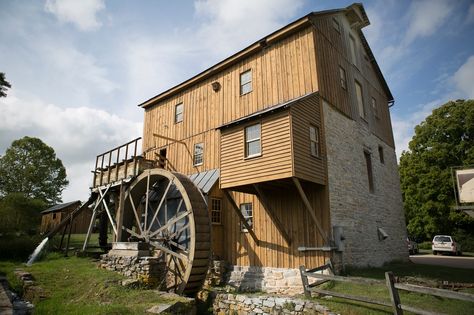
311 211
119 213
68 238
62 238
272 215
304 279
394 297
239 214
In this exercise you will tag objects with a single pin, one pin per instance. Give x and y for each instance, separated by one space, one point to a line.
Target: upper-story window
198 154
247 212
253 143
246 82
360 99
370 176
374 107
216 211
342 77
336 25
314 140
352 46
178 113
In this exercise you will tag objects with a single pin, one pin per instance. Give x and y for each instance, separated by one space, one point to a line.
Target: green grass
379 292
76 286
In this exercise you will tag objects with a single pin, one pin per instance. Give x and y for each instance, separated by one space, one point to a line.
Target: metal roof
60 206
205 180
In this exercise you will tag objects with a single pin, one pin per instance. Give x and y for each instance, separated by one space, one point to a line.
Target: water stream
37 251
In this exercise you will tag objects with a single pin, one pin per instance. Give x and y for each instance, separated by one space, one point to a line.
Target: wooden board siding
308 167
280 72
333 50
275 161
52 219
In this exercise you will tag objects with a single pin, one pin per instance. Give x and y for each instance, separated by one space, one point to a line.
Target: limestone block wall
352 205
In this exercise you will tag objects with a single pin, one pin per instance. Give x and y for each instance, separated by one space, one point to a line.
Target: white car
445 244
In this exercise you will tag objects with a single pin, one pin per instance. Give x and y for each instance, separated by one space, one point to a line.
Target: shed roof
205 180
60 207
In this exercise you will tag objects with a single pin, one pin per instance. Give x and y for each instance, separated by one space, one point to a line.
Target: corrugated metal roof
60 206
205 180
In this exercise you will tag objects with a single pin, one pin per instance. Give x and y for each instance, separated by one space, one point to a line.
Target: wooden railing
390 282
126 153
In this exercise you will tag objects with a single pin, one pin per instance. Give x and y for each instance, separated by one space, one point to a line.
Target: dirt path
442 260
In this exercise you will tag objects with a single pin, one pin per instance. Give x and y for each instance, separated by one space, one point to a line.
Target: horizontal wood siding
333 50
275 161
306 166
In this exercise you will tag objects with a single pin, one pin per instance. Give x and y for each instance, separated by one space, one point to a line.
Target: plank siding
333 50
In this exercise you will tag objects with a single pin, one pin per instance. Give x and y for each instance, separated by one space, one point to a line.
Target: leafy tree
20 213
31 167
444 140
4 85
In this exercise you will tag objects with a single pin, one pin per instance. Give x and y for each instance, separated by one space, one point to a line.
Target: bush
17 248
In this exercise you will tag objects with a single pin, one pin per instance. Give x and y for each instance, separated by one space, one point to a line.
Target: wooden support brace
119 212
239 214
311 210
266 205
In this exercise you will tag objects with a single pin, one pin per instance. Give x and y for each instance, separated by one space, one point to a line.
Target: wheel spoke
184 249
160 204
171 222
146 200
169 251
131 232
135 213
179 231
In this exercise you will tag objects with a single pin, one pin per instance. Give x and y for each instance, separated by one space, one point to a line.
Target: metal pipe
323 249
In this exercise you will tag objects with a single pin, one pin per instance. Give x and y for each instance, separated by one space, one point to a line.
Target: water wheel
167 211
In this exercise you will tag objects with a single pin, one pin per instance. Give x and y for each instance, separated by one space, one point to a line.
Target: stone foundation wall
352 206
148 270
241 304
267 279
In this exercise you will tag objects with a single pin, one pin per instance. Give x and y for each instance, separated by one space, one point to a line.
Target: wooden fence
390 282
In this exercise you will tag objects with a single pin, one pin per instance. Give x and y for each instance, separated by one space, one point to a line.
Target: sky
79 69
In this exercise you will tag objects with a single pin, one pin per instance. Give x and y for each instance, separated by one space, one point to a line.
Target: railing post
394 297
304 279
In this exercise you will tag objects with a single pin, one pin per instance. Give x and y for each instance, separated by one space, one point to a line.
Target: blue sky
79 68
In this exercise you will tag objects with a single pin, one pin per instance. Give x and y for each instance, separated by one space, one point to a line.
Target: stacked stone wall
361 212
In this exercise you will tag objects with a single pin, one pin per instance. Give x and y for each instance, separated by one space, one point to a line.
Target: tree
31 167
444 140
4 85
20 214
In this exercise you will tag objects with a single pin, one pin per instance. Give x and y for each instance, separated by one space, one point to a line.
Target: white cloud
470 14
77 134
81 13
463 78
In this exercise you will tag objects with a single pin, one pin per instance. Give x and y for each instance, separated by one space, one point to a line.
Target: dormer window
246 82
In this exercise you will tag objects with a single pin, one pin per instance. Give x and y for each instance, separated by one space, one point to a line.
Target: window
252 141
216 211
353 49
54 216
368 162
314 140
360 99
198 153
178 113
342 77
162 158
246 82
382 160
374 108
336 25
247 212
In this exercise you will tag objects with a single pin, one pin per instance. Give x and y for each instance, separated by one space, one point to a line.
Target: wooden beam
311 210
119 212
263 200
168 138
239 214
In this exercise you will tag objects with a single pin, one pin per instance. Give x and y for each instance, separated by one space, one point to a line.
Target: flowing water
36 253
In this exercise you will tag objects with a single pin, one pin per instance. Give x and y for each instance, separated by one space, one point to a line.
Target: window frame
352 48
360 102
178 119
316 141
343 77
247 83
216 213
370 174
248 218
200 154
381 155
248 141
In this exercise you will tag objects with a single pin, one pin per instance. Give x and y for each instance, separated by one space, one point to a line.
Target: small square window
335 24
252 140
246 82
314 140
198 154
178 113
342 77
216 210
247 212
374 107
382 160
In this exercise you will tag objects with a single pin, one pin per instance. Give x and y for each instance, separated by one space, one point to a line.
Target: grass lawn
380 292
76 286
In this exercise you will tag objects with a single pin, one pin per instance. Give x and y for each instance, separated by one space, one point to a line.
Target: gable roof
60 207
355 13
